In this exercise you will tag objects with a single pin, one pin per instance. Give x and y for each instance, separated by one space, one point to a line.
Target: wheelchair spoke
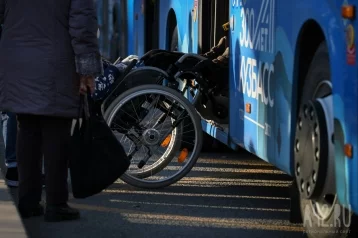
156 120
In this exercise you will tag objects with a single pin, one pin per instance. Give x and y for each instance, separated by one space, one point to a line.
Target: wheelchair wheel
151 122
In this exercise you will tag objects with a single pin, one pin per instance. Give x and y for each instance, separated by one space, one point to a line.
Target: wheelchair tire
175 144
161 90
138 77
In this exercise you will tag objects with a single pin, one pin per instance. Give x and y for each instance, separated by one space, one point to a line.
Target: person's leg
218 49
56 134
9 129
224 58
10 134
29 163
10 141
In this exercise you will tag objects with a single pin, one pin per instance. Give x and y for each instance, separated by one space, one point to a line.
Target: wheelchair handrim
169 95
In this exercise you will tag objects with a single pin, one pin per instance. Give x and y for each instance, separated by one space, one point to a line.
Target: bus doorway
151 24
213 14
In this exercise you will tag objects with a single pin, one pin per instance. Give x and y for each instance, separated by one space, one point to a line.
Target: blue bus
136 26
292 82
154 24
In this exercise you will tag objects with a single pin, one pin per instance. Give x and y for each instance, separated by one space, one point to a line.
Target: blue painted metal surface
187 28
264 44
219 133
133 18
265 36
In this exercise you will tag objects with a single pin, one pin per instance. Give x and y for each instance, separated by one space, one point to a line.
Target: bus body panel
344 84
105 9
130 25
138 34
252 77
345 87
268 131
187 29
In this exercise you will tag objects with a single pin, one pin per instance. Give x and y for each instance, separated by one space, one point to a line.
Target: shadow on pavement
10 222
231 195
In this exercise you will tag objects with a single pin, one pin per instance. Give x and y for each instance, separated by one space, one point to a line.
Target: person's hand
87 83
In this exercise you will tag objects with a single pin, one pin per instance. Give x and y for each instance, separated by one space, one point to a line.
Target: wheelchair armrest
129 67
187 60
149 53
206 63
190 55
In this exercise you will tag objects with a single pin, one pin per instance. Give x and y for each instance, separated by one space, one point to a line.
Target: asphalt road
226 195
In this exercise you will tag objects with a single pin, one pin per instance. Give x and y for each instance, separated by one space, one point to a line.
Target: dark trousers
49 137
9 129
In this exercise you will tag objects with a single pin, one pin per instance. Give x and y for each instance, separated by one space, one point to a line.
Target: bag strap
76 123
86 106
84 112
80 108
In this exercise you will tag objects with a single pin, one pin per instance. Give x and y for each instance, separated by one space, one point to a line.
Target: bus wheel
322 215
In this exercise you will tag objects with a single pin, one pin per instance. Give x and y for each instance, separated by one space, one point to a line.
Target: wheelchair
155 112
202 82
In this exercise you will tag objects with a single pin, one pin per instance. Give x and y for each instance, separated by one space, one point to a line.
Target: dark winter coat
44 46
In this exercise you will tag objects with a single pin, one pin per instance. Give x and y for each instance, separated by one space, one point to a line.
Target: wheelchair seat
164 59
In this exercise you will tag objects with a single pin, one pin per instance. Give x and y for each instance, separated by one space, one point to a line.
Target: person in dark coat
48 55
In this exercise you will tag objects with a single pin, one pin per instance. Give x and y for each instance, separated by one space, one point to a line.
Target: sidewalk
10 222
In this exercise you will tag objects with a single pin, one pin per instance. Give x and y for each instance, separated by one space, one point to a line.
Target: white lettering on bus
255 80
235 3
258 33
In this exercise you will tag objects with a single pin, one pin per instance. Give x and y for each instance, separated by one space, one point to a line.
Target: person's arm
83 30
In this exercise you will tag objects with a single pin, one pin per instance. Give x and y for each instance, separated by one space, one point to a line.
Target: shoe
61 212
38 210
12 177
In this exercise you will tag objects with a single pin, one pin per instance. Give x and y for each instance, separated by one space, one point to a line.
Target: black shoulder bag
97 157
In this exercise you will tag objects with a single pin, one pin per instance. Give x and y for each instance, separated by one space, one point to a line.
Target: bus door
99 8
104 27
139 27
119 36
151 24
252 89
